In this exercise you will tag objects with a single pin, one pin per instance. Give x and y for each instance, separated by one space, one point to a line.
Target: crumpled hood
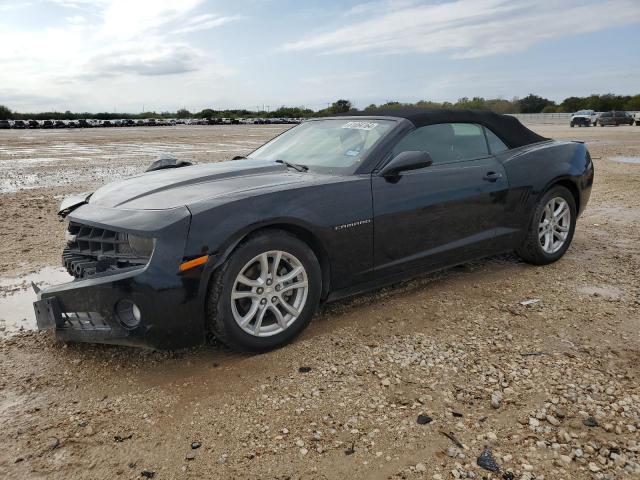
183 186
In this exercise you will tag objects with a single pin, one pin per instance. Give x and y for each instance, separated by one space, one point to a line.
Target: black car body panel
365 229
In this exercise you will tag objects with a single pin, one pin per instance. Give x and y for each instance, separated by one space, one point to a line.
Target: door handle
492 176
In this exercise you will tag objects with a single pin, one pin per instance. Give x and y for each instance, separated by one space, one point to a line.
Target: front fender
216 229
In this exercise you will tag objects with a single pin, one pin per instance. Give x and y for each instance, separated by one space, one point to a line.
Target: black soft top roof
508 128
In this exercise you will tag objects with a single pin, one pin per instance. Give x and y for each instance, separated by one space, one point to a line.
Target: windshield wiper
295 166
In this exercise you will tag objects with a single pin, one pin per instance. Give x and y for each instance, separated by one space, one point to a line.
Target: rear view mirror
404 161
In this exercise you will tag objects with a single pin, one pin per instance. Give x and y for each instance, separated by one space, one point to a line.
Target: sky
130 55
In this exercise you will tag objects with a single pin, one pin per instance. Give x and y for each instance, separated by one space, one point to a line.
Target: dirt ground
414 381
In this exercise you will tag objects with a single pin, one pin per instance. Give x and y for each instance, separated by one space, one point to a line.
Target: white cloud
128 19
76 20
207 21
470 28
104 43
148 59
8 7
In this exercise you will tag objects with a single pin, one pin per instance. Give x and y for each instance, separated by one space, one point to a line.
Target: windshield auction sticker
360 125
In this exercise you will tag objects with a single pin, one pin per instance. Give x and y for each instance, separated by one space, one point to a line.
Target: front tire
551 227
265 293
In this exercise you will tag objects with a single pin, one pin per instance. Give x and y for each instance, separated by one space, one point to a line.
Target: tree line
529 104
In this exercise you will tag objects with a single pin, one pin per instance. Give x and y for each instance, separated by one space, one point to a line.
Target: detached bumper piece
78 326
138 308
48 314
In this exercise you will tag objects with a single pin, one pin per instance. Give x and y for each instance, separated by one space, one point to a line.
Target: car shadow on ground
329 318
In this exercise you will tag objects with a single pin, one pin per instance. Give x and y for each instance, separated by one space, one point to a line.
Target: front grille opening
91 250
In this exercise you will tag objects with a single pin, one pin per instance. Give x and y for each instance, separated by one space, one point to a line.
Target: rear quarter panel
533 169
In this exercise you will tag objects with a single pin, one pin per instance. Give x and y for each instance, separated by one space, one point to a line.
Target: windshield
585 112
330 146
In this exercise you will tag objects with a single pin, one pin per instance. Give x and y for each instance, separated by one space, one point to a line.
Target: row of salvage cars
587 118
146 122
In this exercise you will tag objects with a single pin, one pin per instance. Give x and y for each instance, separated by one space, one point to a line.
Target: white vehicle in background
636 118
584 118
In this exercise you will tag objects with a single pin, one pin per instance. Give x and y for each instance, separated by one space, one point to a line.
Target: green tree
533 103
633 103
500 105
207 113
340 106
5 113
428 104
476 103
572 104
183 113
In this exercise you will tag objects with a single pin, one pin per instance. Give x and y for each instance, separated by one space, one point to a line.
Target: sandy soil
552 388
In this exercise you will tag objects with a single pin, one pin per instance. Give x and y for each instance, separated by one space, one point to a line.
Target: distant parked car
59 124
4 124
33 124
47 124
82 123
615 118
636 118
19 124
584 118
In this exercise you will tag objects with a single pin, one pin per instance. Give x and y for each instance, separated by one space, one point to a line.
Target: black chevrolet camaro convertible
247 249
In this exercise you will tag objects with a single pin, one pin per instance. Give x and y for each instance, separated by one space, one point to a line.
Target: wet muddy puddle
17 297
625 159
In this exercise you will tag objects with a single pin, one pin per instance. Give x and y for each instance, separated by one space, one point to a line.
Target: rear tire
251 305
550 232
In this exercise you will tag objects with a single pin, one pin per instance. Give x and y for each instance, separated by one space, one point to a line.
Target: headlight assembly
136 245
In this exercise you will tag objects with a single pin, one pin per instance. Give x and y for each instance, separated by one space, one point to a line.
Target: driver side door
443 214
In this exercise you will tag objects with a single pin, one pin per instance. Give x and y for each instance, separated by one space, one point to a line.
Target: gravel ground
427 379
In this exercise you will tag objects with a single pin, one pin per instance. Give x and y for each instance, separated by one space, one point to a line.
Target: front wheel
265 294
551 227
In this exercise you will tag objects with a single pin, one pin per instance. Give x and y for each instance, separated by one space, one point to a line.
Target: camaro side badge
352 224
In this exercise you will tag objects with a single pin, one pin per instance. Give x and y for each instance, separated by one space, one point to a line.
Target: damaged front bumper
164 305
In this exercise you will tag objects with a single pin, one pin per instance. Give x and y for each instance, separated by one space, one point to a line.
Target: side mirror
404 161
